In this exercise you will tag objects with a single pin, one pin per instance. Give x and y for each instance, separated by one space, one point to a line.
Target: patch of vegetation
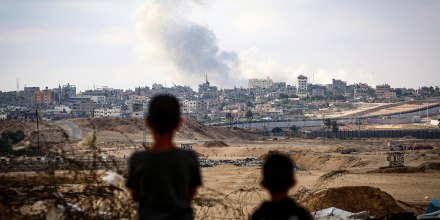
8 139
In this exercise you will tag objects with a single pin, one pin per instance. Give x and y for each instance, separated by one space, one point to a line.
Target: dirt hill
194 129
190 129
321 161
123 125
353 199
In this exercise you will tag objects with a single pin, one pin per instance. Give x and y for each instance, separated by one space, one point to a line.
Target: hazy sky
124 44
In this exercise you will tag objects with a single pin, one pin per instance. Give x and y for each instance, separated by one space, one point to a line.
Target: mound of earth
193 129
123 125
215 144
353 199
320 161
12 125
398 170
435 151
424 167
345 150
190 129
429 166
263 157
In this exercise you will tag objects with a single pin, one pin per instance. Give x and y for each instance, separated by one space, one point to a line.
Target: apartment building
198 105
301 89
260 83
339 87
108 112
44 96
385 92
361 90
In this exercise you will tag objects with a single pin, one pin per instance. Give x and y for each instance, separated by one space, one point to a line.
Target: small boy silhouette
278 177
164 179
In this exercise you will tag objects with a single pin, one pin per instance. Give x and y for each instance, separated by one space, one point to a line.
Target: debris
88 140
113 178
339 214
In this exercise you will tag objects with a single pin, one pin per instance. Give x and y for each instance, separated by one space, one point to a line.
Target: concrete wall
287 124
405 120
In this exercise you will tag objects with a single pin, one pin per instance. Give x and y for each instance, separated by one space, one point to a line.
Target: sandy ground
399 108
375 109
233 191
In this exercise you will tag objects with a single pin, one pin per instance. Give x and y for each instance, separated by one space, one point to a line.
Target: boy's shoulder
286 209
140 155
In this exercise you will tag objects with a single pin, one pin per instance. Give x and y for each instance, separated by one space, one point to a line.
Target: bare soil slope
354 199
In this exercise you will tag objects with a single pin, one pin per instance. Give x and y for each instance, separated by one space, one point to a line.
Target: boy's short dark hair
278 173
164 113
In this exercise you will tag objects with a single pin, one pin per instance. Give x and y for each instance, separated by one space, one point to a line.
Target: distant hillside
190 129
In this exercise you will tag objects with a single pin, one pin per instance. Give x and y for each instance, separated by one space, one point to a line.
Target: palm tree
294 129
249 116
229 117
335 125
327 123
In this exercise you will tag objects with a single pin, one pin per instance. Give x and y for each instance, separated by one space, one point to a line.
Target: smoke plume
184 50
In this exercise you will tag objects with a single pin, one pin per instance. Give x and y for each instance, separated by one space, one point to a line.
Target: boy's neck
278 197
162 142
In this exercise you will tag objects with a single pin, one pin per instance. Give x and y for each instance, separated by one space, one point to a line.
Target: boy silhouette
163 180
278 178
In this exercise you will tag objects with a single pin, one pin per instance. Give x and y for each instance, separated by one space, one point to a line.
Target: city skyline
138 43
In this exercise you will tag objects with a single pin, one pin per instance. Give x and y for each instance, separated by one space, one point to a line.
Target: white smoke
183 49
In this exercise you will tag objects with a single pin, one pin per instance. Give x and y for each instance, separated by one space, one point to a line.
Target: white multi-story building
108 112
301 89
199 105
260 83
189 106
98 99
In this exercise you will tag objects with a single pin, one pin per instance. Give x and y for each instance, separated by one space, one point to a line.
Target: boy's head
278 174
164 113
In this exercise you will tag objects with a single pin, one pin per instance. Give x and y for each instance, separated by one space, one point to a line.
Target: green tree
371 92
327 123
229 117
335 125
294 129
249 117
277 130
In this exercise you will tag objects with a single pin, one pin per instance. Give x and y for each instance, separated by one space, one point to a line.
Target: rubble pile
242 162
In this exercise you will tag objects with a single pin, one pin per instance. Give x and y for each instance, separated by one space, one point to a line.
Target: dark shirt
163 181
286 209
